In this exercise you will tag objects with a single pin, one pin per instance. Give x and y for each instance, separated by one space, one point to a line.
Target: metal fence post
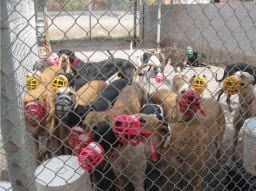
158 38
16 144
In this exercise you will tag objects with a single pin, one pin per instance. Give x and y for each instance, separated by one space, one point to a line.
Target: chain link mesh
119 115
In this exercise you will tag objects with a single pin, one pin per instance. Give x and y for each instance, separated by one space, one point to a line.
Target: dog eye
143 120
182 91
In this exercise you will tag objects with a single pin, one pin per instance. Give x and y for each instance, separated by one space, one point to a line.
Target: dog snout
190 98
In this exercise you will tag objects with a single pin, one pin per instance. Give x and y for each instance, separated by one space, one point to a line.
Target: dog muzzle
199 83
189 103
35 111
127 130
189 52
32 82
159 77
78 139
53 59
63 105
232 85
59 81
91 156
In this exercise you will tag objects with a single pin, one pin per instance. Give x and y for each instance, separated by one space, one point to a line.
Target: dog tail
131 46
220 80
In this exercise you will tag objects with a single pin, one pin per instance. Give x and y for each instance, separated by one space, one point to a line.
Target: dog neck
246 97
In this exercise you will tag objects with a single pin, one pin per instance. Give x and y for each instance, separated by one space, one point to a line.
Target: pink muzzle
159 77
53 59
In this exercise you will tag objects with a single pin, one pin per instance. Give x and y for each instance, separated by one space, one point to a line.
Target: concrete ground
96 51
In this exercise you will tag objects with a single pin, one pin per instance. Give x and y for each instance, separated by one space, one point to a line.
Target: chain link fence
122 95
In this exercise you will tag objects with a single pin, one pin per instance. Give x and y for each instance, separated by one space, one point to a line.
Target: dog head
103 142
148 58
33 80
37 105
71 55
235 83
189 103
53 59
64 101
199 83
60 81
180 83
153 109
153 129
189 51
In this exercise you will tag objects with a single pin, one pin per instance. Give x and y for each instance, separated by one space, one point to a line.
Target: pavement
96 50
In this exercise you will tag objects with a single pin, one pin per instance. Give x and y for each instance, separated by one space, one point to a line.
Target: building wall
224 26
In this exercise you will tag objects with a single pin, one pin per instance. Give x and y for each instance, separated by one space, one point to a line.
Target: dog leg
37 155
197 182
218 155
228 101
220 92
238 123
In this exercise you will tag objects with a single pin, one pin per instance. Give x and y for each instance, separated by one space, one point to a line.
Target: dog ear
164 127
142 120
69 53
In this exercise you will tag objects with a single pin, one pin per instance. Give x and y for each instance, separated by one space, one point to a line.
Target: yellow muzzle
59 81
199 83
232 85
32 82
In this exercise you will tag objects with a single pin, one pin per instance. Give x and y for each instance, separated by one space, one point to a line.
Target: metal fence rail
65 126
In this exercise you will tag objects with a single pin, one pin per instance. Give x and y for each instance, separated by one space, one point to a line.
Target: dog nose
190 98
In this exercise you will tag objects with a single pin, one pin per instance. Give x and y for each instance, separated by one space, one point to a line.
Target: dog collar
74 63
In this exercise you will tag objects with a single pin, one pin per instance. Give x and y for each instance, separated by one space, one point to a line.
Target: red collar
75 61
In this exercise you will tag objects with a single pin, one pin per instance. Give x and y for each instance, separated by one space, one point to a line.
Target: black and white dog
154 179
103 70
230 70
103 102
153 58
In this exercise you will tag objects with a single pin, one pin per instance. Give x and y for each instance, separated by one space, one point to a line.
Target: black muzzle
63 105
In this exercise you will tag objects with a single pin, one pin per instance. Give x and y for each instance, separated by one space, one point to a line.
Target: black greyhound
87 71
103 176
232 69
103 102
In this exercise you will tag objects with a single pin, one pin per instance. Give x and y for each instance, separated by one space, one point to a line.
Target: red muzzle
35 111
128 130
189 103
78 139
75 62
91 156
53 59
